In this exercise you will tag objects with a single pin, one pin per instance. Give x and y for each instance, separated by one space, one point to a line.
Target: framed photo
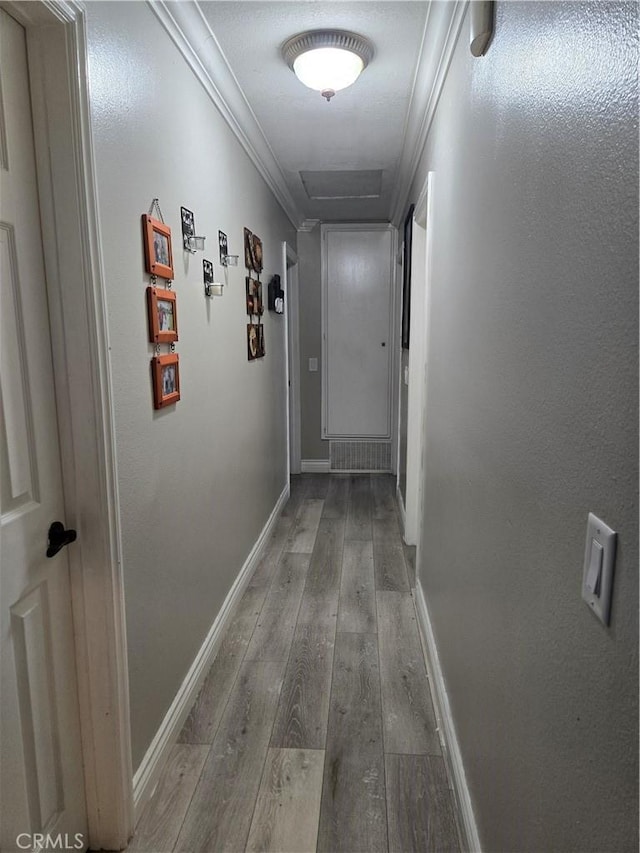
188 227
253 343
260 341
248 249
257 254
252 251
163 315
223 242
165 370
406 278
254 297
158 254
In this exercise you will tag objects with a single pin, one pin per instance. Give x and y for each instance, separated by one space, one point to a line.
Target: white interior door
41 773
358 332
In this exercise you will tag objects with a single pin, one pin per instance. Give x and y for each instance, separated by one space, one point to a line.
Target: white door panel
41 764
358 309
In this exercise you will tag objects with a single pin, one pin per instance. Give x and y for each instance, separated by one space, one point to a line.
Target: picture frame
207 272
252 251
188 227
165 371
253 342
260 341
162 307
223 243
406 277
158 254
255 305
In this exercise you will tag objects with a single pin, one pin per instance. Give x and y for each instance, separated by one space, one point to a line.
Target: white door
357 334
40 757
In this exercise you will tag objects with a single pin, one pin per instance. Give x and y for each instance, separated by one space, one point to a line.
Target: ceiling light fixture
327 60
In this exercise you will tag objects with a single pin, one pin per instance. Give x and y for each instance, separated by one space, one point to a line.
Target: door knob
59 537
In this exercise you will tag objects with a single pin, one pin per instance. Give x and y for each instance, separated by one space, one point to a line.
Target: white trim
292 311
446 726
403 515
308 224
56 38
189 30
151 766
392 386
439 42
315 466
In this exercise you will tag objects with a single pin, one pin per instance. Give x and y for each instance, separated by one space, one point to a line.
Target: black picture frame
406 277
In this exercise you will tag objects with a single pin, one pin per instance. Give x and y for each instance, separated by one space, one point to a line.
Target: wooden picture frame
162 307
255 305
257 254
158 254
252 251
406 278
165 371
253 341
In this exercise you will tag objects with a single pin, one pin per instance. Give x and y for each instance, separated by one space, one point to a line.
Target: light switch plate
313 365
599 533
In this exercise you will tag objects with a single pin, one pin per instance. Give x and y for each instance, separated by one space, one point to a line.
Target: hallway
314 728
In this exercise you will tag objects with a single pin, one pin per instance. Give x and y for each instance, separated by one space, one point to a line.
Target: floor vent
360 455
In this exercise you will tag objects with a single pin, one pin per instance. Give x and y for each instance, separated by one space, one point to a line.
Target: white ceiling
362 128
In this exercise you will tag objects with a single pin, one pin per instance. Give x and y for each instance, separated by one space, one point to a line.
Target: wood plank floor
314 729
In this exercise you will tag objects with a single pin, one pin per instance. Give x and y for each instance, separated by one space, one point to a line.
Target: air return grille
360 455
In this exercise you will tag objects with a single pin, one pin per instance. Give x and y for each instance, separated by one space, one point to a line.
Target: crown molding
190 32
440 36
308 224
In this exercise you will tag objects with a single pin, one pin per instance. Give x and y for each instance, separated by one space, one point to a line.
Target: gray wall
197 481
310 281
532 421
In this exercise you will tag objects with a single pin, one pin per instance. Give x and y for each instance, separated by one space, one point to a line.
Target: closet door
357 280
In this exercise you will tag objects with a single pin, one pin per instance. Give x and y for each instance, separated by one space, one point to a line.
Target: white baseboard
403 514
446 727
315 466
148 773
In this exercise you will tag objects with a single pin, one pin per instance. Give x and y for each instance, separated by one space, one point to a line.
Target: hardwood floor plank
336 503
388 556
288 805
302 535
203 720
409 720
410 561
357 607
383 495
265 569
274 629
320 598
219 816
420 808
353 811
296 496
316 485
158 828
303 711
359 513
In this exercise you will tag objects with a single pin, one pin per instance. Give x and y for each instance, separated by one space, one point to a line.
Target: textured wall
532 421
310 278
197 481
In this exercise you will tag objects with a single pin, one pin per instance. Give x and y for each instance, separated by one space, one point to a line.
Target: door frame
57 54
292 310
418 367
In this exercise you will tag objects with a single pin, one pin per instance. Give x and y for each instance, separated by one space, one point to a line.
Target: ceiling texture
350 159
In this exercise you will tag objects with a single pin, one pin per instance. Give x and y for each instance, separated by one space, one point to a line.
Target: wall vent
360 455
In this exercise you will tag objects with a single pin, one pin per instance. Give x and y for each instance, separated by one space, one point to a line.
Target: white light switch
599 560
313 365
594 572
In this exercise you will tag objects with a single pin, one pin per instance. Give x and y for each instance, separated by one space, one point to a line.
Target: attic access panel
340 184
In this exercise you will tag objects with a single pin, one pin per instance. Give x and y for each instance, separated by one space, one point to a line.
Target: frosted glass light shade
328 68
327 60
